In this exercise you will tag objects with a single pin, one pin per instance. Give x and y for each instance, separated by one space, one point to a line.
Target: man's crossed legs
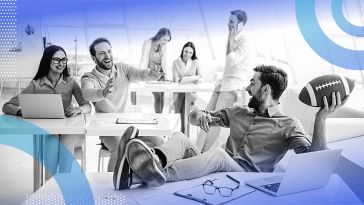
177 159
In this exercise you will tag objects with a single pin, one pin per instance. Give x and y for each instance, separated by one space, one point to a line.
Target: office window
141 14
65 37
113 17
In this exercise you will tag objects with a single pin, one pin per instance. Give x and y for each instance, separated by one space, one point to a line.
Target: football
314 91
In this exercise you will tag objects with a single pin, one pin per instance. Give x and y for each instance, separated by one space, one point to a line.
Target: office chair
103 153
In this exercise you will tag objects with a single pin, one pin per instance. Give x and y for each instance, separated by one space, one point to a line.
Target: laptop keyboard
272 187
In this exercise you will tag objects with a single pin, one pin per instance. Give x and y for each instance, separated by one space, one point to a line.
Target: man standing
107 85
260 135
235 76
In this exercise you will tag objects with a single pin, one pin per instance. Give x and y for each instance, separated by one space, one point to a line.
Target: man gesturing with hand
204 120
260 135
107 86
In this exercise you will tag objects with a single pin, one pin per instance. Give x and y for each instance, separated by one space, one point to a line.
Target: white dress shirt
238 68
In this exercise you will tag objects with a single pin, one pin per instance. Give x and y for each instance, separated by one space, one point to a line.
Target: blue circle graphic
320 43
342 22
13 129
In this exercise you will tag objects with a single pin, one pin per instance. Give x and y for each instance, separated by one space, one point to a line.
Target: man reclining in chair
260 135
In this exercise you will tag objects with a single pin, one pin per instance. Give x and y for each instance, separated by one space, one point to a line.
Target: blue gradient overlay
320 43
76 184
186 14
141 15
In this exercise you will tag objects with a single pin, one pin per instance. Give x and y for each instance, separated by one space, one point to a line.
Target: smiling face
103 56
255 90
187 53
58 62
164 39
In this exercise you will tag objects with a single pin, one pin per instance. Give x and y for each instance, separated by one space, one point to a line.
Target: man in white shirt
235 77
107 87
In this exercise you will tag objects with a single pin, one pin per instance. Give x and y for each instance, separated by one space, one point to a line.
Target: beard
104 65
255 103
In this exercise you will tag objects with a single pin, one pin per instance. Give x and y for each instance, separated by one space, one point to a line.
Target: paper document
190 79
197 193
137 121
159 82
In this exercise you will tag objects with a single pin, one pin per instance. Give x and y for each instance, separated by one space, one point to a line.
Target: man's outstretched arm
205 119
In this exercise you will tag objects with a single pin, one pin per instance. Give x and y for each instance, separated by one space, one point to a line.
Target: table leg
133 98
187 113
170 101
38 162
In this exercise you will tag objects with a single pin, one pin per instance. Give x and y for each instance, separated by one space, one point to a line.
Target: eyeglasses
209 188
59 60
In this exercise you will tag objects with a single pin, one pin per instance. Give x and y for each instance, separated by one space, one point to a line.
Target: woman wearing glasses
154 54
53 78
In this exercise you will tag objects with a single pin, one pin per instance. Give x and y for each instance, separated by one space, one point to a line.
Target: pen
230 177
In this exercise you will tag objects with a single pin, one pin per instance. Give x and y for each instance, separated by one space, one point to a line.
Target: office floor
16 173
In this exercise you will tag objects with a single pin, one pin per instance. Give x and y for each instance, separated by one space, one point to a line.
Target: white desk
352 149
150 87
48 126
351 163
170 88
192 87
104 124
336 192
98 124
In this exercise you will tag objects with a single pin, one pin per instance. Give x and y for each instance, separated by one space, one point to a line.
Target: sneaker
145 163
122 173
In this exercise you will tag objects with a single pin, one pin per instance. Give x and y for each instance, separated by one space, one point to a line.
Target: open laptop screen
41 105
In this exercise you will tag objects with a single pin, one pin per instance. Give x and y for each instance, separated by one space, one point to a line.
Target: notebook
197 193
305 172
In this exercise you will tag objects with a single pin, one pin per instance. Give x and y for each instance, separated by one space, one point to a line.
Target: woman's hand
155 72
73 111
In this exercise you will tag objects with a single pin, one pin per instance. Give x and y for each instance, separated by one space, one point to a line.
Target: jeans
185 161
158 101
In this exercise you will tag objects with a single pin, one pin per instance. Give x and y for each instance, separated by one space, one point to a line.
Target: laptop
304 172
41 106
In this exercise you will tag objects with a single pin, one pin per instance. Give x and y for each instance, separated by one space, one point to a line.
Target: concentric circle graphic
342 22
74 184
320 43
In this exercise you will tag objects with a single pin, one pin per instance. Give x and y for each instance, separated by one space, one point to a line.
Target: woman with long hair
52 78
154 54
183 68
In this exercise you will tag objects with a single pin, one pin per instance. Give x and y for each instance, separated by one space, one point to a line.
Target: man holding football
260 135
